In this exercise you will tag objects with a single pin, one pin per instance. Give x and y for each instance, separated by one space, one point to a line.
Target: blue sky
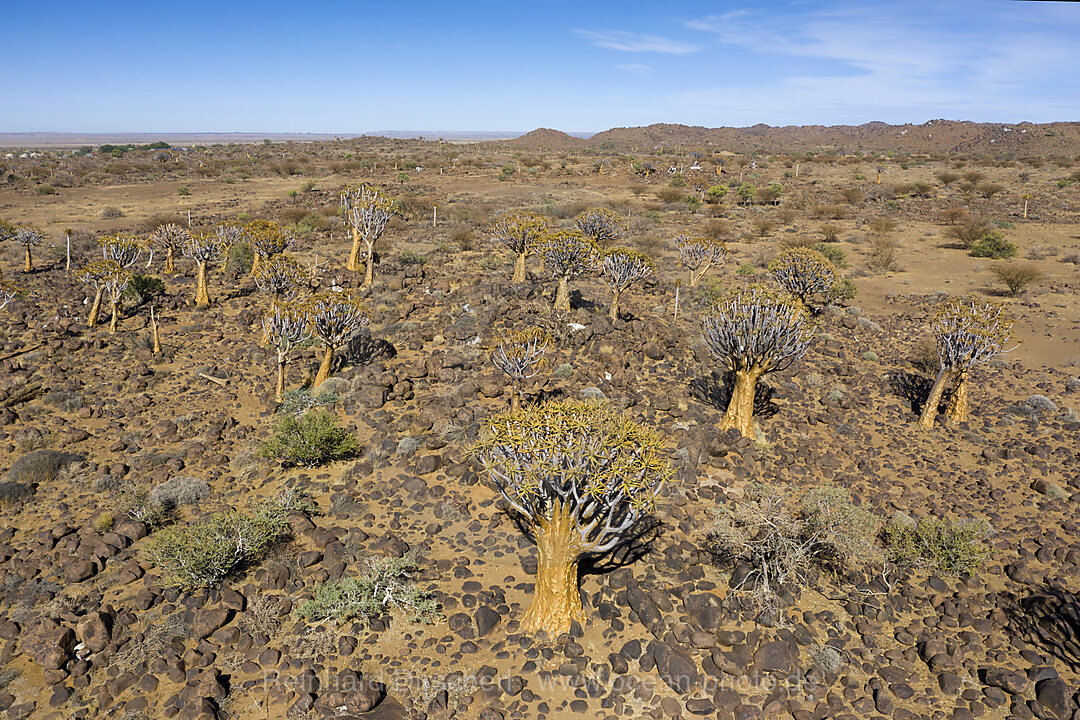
358 66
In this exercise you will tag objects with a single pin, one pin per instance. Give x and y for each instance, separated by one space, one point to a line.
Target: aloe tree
621 267
603 226
170 238
280 277
367 212
285 327
521 355
567 255
697 254
522 232
203 248
28 236
266 239
334 318
803 272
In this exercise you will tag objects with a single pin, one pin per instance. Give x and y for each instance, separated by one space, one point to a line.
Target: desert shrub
830 233
463 238
179 491
239 260
746 269
40 466
993 245
65 400
762 225
716 229
1017 276
13 492
708 292
882 253
669 194
203 553
941 545
110 212
142 289
852 195
46 190
298 401
968 230
989 189
782 539
310 440
833 253
715 193
843 290
921 188
387 584
412 257
882 225
948 177
104 522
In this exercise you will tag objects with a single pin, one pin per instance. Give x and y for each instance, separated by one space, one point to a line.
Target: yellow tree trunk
114 323
957 411
202 294
324 367
519 269
353 263
929 411
256 263
515 396
740 409
29 266
369 273
95 309
169 269
693 280
156 339
556 599
279 390
614 314
562 295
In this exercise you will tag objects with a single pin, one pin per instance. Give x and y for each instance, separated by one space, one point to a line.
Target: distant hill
548 139
935 136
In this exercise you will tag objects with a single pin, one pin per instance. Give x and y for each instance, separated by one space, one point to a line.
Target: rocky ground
89 630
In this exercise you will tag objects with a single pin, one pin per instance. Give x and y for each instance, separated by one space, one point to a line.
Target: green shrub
298 401
843 290
143 289
46 190
993 245
386 585
715 193
184 190
746 269
834 253
709 292
310 440
203 553
412 257
239 260
949 547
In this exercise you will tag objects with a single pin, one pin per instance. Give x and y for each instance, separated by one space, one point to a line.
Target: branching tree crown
581 475
568 254
171 239
266 239
285 327
521 354
804 271
522 232
697 254
969 332
367 211
620 267
205 248
335 318
28 236
604 226
122 249
280 277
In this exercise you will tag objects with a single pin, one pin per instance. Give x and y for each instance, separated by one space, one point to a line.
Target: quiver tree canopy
367 211
581 475
121 249
280 277
567 255
171 239
335 318
803 272
28 236
522 232
754 331
698 253
284 327
266 239
620 267
602 225
521 355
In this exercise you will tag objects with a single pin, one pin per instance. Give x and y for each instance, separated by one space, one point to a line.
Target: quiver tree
367 211
697 254
203 248
280 277
95 275
266 239
285 327
521 355
170 238
567 255
621 267
28 236
8 291
803 271
969 332
115 282
335 318
581 476
754 331
124 250
603 226
522 232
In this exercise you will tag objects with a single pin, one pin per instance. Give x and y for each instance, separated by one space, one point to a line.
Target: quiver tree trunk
114 323
692 281
202 294
95 309
156 339
169 270
29 265
256 263
614 313
556 599
929 411
740 409
353 263
515 396
519 269
562 295
324 367
369 273
279 389
957 410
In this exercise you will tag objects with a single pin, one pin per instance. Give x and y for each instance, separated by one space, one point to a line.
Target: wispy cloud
636 42
636 68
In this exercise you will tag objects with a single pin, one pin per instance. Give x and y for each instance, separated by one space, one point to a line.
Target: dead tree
367 211
621 267
335 318
697 254
754 331
580 475
522 232
803 272
969 332
266 239
521 355
203 248
285 327
603 226
170 238
8 291
28 236
567 255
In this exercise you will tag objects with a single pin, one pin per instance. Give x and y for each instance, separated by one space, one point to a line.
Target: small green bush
746 269
204 553
709 292
843 290
834 253
412 257
46 190
183 190
313 439
387 584
993 245
949 547
298 401
239 260
143 289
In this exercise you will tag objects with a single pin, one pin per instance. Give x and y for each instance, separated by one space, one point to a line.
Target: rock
675 667
77 571
773 656
349 693
1055 695
48 643
1011 682
705 610
486 620
208 620
95 630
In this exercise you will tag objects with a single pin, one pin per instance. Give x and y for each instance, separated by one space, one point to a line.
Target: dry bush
716 229
798 241
829 212
953 215
973 176
881 225
1017 276
156 220
851 195
969 231
882 253
948 177
786 215
989 189
829 232
762 225
669 194
568 210
292 215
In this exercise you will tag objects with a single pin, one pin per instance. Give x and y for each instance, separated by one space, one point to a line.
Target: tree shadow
364 349
716 388
578 301
915 389
1052 617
